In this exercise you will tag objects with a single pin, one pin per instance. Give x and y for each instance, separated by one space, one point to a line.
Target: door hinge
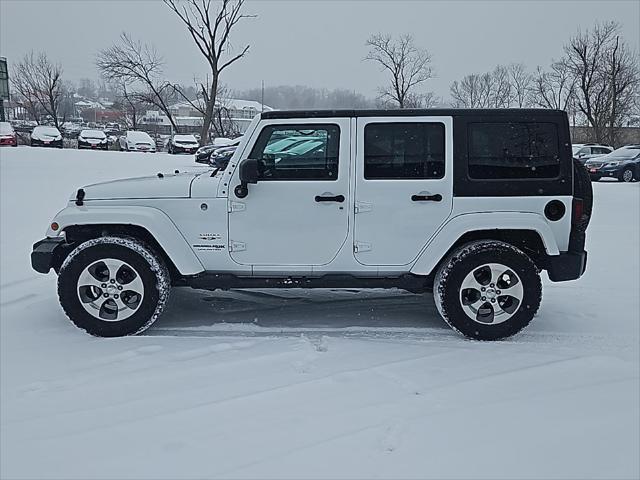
236 207
360 247
363 207
237 246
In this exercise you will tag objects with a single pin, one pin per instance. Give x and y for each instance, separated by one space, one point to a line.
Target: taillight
578 210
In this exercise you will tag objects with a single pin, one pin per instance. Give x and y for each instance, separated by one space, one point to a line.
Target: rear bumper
47 254
566 266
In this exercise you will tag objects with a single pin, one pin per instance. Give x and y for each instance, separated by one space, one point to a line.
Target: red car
8 135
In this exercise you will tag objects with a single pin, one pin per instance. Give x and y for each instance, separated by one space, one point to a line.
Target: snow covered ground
319 384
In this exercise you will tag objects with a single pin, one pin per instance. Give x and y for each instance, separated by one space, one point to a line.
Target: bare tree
39 83
408 65
22 82
585 57
503 87
623 75
554 88
520 81
467 93
129 104
139 66
211 32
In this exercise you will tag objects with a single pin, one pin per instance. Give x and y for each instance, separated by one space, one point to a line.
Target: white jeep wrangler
471 204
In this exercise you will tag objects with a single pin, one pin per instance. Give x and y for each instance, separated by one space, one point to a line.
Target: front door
297 213
403 186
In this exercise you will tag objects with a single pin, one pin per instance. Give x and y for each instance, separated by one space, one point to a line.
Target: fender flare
154 220
438 246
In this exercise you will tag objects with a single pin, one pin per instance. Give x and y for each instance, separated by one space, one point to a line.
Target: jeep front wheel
487 290
113 286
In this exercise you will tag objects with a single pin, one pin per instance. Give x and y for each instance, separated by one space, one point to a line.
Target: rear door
403 186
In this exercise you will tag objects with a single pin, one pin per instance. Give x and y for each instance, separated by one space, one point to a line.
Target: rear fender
457 226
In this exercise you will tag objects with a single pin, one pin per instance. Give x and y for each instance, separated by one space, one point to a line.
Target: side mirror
249 173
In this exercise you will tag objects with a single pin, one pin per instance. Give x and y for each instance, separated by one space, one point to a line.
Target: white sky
314 42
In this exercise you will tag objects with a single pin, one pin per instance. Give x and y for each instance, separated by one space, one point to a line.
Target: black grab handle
426 198
337 198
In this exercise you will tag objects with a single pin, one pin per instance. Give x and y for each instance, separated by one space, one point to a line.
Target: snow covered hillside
312 384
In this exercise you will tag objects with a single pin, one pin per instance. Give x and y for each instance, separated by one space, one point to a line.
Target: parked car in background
8 135
622 164
585 151
204 153
221 156
43 136
182 144
135 141
93 139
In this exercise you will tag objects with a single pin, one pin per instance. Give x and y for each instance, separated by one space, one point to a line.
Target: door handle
335 198
426 198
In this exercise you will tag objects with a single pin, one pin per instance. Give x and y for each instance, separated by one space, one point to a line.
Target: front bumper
566 266
48 253
93 146
604 172
181 149
42 143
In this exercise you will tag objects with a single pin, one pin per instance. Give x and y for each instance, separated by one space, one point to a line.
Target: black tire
627 178
151 269
455 268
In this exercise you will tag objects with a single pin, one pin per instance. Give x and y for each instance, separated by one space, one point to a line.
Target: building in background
238 113
4 86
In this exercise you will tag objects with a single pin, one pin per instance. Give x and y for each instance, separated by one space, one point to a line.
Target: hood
165 186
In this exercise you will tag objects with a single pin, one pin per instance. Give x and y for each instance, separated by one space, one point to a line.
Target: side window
600 150
403 151
298 152
584 151
513 150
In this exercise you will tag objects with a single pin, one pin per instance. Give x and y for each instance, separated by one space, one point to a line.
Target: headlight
613 164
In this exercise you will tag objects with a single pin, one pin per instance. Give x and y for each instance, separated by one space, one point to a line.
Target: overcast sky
314 42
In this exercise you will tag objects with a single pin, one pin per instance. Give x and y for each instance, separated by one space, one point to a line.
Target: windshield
95 134
5 127
48 131
576 148
624 152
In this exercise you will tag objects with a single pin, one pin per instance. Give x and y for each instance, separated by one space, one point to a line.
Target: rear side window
513 150
600 150
403 151
298 152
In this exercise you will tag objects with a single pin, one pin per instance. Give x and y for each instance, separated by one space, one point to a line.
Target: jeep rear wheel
113 286
487 290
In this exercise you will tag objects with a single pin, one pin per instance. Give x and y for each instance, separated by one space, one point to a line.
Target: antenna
262 99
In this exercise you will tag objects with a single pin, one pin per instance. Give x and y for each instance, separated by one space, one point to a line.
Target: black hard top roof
448 112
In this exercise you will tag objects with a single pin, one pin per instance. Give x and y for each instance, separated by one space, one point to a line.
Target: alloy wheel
491 293
110 289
